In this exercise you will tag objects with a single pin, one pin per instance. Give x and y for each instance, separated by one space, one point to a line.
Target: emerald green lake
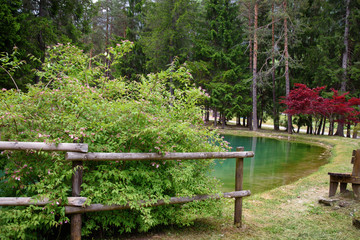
275 163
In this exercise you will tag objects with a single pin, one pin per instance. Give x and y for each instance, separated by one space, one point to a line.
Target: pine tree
167 31
220 57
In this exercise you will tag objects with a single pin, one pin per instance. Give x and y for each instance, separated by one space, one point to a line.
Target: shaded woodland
245 54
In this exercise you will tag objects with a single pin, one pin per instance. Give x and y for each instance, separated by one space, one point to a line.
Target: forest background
244 54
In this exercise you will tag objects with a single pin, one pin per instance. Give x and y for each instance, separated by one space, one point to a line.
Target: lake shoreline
288 212
276 162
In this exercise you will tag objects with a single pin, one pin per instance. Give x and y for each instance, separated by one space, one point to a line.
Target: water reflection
275 163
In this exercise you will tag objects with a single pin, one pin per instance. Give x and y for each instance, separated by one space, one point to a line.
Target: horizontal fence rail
27 201
73 156
77 204
172 200
66 147
77 153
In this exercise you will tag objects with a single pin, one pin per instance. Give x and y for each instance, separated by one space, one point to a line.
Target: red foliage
304 100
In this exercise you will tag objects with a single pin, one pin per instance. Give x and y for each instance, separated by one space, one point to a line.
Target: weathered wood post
238 187
76 188
356 173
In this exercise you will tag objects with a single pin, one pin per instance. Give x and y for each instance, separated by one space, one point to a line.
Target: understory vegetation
75 103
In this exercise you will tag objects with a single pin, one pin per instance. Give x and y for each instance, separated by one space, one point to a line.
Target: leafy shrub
78 103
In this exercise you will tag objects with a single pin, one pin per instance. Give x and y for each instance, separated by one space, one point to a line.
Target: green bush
78 103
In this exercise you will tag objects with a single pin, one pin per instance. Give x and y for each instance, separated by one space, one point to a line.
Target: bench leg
343 187
356 189
333 187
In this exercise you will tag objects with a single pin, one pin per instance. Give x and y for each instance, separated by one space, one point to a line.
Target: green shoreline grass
287 212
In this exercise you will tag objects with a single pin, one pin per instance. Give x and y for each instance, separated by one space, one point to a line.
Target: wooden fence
77 153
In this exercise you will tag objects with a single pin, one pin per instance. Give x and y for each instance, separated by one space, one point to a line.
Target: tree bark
323 127
345 59
320 125
107 39
355 133
223 119
250 40
287 79
331 127
215 117
348 134
238 120
254 82
275 112
207 113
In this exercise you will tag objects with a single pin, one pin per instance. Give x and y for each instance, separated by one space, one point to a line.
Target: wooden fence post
238 187
356 173
76 188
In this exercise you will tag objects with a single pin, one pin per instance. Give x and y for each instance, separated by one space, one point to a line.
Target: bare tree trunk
287 79
215 117
250 39
331 127
254 82
238 120
348 134
355 133
320 125
323 127
275 112
223 120
207 113
40 37
340 128
107 38
249 118
346 50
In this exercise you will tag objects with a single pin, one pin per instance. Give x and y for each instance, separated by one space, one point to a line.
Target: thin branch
17 88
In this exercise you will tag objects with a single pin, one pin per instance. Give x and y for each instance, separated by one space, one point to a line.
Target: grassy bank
287 212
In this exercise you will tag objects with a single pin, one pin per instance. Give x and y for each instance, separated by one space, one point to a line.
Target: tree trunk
40 37
345 59
254 82
275 112
355 131
215 117
107 39
250 40
238 120
287 79
320 125
348 134
223 119
207 113
249 121
323 128
331 127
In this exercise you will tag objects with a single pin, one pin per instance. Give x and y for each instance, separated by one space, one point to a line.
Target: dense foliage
215 38
75 103
303 100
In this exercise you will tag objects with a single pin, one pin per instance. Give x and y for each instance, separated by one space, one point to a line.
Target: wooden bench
345 178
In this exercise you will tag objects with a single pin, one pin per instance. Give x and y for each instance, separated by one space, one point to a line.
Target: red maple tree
303 100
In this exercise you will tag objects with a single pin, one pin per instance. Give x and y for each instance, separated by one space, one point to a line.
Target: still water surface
275 163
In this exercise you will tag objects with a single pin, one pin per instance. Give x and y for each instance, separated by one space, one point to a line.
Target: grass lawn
288 212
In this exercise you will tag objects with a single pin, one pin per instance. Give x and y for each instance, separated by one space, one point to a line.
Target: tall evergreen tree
221 51
168 31
36 24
